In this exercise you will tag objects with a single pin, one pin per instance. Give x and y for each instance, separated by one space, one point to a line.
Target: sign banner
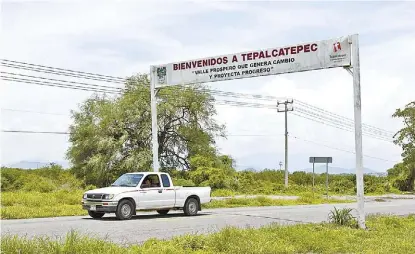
321 160
287 59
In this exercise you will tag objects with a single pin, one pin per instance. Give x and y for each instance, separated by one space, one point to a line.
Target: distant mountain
35 164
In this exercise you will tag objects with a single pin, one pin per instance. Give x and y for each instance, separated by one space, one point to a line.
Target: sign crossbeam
332 53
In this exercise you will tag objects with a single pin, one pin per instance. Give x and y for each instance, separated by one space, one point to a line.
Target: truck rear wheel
191 207
163 212
125 210
95 215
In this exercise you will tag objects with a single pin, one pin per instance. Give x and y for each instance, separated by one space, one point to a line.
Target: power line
313 117
53 84
60 71
35 112
338 125
344 123
63 81
326 112
340 149
236 135
37 132
315 113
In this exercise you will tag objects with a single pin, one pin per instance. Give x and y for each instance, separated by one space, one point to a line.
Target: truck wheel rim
192 207
125 210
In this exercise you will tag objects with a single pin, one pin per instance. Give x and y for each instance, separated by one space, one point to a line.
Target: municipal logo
161 75
337 47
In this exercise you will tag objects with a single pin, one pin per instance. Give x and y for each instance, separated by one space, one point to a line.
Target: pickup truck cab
144 191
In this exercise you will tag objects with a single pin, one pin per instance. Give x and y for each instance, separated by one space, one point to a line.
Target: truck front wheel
125 210
191 207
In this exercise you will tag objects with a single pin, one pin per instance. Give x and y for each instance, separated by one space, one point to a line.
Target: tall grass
266 201
387 235
23 205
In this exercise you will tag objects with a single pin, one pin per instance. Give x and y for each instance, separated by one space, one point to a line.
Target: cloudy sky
124 38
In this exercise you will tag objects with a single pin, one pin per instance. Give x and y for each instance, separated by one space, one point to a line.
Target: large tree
111 136
404 173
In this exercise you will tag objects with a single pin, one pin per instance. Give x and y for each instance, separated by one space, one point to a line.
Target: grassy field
384 235
304 199
22 205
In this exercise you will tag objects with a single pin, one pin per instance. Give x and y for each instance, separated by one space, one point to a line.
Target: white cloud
121 39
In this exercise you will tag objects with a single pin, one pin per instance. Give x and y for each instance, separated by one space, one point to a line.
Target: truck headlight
85 196
108 196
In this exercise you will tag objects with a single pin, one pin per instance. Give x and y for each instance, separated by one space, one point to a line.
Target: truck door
168 192
150 193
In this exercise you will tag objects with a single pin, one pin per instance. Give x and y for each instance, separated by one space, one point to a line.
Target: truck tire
163 212
95 215
191 207
125 210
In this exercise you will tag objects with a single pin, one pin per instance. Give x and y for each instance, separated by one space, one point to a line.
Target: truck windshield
128 180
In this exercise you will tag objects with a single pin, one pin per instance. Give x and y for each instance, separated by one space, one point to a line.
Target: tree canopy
404 173
112 136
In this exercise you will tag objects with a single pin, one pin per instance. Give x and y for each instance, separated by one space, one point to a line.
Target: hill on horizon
35 164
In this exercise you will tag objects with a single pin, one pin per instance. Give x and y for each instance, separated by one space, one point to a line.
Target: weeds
391 234
23 205
342 217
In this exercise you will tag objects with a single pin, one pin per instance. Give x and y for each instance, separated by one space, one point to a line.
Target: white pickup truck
144 191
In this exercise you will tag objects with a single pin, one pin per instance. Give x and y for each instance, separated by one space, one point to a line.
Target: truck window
165 180
151 181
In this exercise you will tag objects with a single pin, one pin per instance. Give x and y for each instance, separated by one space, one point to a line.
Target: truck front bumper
100 206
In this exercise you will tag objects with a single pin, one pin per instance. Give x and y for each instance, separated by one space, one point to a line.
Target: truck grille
94 196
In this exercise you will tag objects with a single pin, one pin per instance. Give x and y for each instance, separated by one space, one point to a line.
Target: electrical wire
53 84
337 120
300 112
318 120
340 123
339 149
326 112
60 71
235 135
35 112
63 81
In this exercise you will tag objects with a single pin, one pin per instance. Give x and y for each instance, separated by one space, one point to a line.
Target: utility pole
285 110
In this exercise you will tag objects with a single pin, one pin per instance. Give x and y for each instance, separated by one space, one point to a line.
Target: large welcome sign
293 58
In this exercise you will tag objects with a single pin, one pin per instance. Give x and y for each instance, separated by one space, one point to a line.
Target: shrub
223 193
183 182
38 183
342 217
42 180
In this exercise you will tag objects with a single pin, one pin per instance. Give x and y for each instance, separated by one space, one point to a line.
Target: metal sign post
154 127
332 53
325 160
358 131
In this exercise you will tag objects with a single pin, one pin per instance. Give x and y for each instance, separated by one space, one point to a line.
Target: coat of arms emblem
161 75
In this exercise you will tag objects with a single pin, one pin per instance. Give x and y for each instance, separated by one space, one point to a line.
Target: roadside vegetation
53 191
111 136
386 234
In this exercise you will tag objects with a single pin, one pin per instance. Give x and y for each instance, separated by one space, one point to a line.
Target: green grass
24 205
297 192
266 201
385 235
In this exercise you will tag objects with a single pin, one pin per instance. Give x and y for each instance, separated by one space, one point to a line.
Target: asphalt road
150 225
